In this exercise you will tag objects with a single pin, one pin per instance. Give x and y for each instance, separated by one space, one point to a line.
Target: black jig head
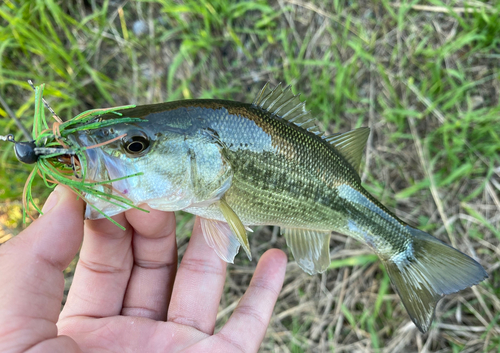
25 151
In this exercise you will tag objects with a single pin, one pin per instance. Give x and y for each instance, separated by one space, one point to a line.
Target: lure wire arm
56 117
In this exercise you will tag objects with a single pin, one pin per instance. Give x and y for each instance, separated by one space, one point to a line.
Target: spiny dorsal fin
286 105
283 103
350 144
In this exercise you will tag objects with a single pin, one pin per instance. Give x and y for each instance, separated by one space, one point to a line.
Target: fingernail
51 201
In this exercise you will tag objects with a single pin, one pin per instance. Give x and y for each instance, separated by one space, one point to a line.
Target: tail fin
428 270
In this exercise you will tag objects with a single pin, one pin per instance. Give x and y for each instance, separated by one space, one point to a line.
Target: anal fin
310 248
220 237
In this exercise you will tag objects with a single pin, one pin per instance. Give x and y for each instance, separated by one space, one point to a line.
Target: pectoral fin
236 226
220 237
310 248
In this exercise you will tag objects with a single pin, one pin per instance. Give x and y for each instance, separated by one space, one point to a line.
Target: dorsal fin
286 105
350 144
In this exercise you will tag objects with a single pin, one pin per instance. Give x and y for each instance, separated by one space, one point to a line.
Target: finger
155 264
198 285
247 325
32 264
103 270
59 344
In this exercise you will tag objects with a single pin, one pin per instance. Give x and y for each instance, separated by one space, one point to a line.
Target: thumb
57 234
31 265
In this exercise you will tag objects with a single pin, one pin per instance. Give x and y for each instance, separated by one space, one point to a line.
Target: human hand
127 293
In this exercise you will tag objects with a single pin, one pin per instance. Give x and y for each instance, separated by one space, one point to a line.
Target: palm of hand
127 293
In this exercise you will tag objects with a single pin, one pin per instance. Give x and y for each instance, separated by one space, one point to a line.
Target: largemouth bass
266 163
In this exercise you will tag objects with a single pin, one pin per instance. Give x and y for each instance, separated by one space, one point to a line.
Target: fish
237 165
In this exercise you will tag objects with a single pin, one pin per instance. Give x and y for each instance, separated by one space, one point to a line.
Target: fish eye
136 145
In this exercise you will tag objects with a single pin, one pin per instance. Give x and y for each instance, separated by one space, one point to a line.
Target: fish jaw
102 167
138 190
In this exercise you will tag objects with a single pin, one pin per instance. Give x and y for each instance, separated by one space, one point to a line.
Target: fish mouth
95 169
100 167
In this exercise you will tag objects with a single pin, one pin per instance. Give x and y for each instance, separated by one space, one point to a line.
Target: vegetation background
424 76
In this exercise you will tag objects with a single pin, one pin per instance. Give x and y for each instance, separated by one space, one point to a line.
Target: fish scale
295 168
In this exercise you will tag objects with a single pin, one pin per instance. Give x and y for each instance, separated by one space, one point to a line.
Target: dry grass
424 77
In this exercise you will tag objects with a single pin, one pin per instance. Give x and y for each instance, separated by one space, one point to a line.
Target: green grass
425 79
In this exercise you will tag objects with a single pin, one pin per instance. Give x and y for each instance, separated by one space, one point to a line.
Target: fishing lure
58 160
